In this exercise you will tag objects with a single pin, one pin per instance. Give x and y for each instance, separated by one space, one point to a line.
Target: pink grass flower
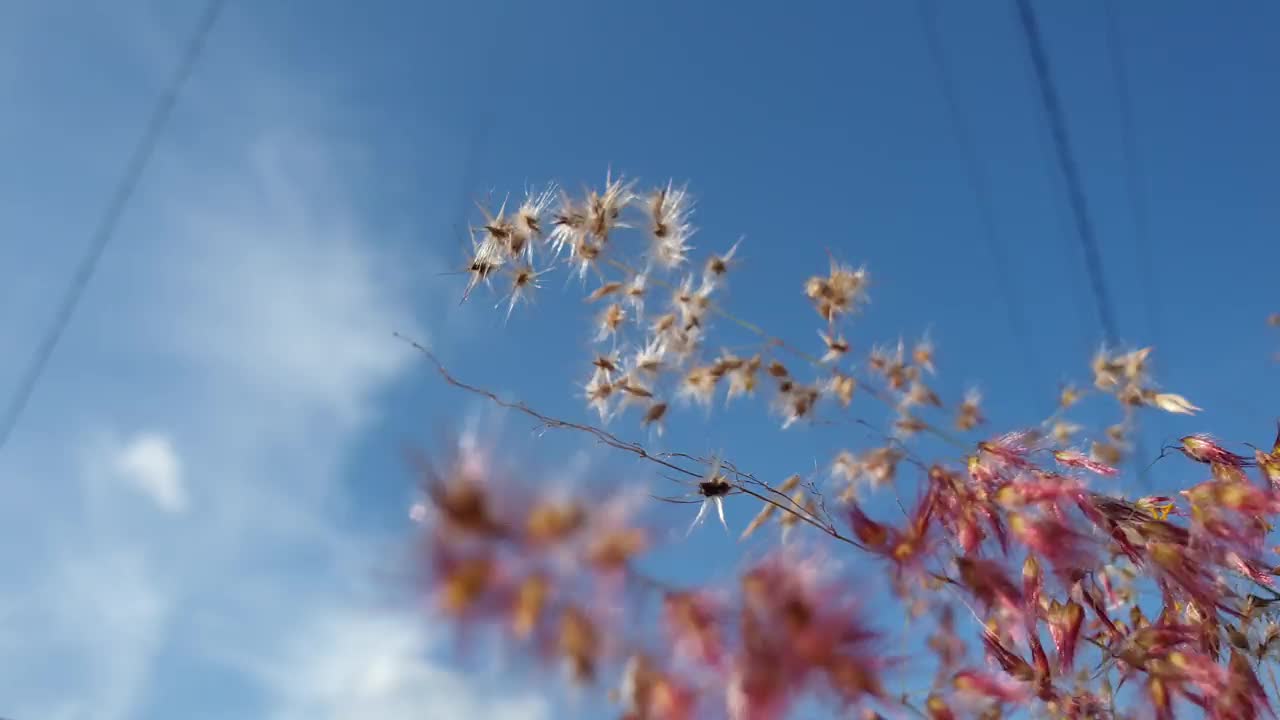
988 685
1065 621
1077 459
1204 449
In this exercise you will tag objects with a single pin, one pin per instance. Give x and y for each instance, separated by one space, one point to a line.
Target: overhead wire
1135 185
1070 171
1065 227
1014 315
1075 192
481 123
1135 178
106 226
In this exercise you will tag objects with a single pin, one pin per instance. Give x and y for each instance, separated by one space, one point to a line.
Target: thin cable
107 224
481 126
1065 229
978 184
1079 207
1134 174
1066 159
1135 184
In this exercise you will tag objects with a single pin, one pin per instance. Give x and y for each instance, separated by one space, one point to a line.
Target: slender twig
744 477
822 501
804 517
613 441
603 436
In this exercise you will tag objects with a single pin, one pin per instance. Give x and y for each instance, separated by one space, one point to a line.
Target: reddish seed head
579 642
465 507
531 597
871 533
1064 623
853 677
1205 449
1106 453
655 413
553 522
651 694
608 364
604 290
465 583
1269 467
1076 459
615 548
937 709
1011 448
969 414
694 621
989 686
987 581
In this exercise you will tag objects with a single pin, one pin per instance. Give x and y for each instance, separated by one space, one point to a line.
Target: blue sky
205 503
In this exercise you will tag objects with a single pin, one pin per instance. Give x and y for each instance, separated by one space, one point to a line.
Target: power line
1065 228
1135 186
480 124
107 224
1134 174
1075 193
1066 159
977 183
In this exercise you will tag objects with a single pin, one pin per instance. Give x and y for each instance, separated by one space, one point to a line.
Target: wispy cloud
79 639
238 346
373 668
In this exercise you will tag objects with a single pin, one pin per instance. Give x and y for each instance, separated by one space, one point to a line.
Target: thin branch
613 441
797 508
822 501
833 532
603 436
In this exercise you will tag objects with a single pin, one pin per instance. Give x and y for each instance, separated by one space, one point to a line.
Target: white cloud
84 635
150 464
373 666
246 311
263 316
295 299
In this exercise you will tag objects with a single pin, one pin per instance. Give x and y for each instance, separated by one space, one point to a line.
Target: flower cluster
1040 586
550 574
541 566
